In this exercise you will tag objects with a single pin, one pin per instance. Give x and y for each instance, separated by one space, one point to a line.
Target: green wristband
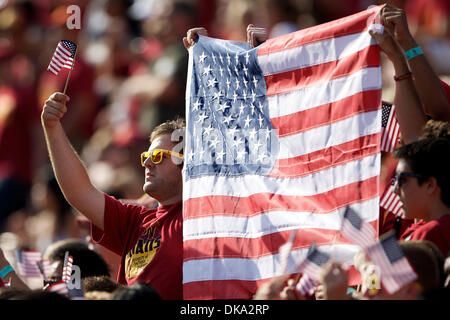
4 272
414 52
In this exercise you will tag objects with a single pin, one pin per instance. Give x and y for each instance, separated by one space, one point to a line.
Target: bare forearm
410 114
11 277
428 84
72 176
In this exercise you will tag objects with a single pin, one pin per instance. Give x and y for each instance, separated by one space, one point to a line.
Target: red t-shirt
150 243
436 231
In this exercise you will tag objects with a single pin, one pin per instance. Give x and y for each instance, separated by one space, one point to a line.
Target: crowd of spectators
129 76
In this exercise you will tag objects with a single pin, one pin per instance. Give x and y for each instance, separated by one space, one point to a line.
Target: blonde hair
97 295
168 127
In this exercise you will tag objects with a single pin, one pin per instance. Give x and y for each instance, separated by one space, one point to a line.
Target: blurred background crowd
130 75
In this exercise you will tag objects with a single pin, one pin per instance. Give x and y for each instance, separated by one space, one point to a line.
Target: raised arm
69 170
426 81
410 115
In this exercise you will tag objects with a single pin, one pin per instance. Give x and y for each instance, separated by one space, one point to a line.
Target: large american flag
63 56
280 137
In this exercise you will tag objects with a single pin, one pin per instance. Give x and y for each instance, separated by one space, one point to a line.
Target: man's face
410 192
163 181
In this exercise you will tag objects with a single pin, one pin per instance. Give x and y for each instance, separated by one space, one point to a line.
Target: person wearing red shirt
149 241
422 183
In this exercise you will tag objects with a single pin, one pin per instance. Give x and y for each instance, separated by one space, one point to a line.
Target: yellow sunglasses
157 155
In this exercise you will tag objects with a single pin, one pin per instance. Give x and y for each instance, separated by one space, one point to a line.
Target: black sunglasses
399 177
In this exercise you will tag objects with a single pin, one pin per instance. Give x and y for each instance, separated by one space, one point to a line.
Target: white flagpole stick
68 76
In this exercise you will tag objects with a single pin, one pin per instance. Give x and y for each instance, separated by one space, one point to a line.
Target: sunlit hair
169 127
436 129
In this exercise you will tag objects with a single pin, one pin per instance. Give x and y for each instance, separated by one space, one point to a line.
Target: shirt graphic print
143 252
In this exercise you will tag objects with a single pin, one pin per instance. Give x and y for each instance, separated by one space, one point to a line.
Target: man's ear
432 185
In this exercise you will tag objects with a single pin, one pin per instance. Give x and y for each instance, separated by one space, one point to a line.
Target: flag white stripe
324 92
270 222
256 269
316 139
313 184
314 53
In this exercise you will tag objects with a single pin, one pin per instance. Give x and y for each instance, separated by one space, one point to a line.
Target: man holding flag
148 240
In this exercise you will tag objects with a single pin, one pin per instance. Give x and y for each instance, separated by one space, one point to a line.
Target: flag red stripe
300 78
326 114
265 202
326 158
337 28
253 248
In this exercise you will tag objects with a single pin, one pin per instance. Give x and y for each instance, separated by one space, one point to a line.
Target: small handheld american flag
312 265
391 202
307 285
356 229
63 57
67 269
390 128
395 268
27 262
